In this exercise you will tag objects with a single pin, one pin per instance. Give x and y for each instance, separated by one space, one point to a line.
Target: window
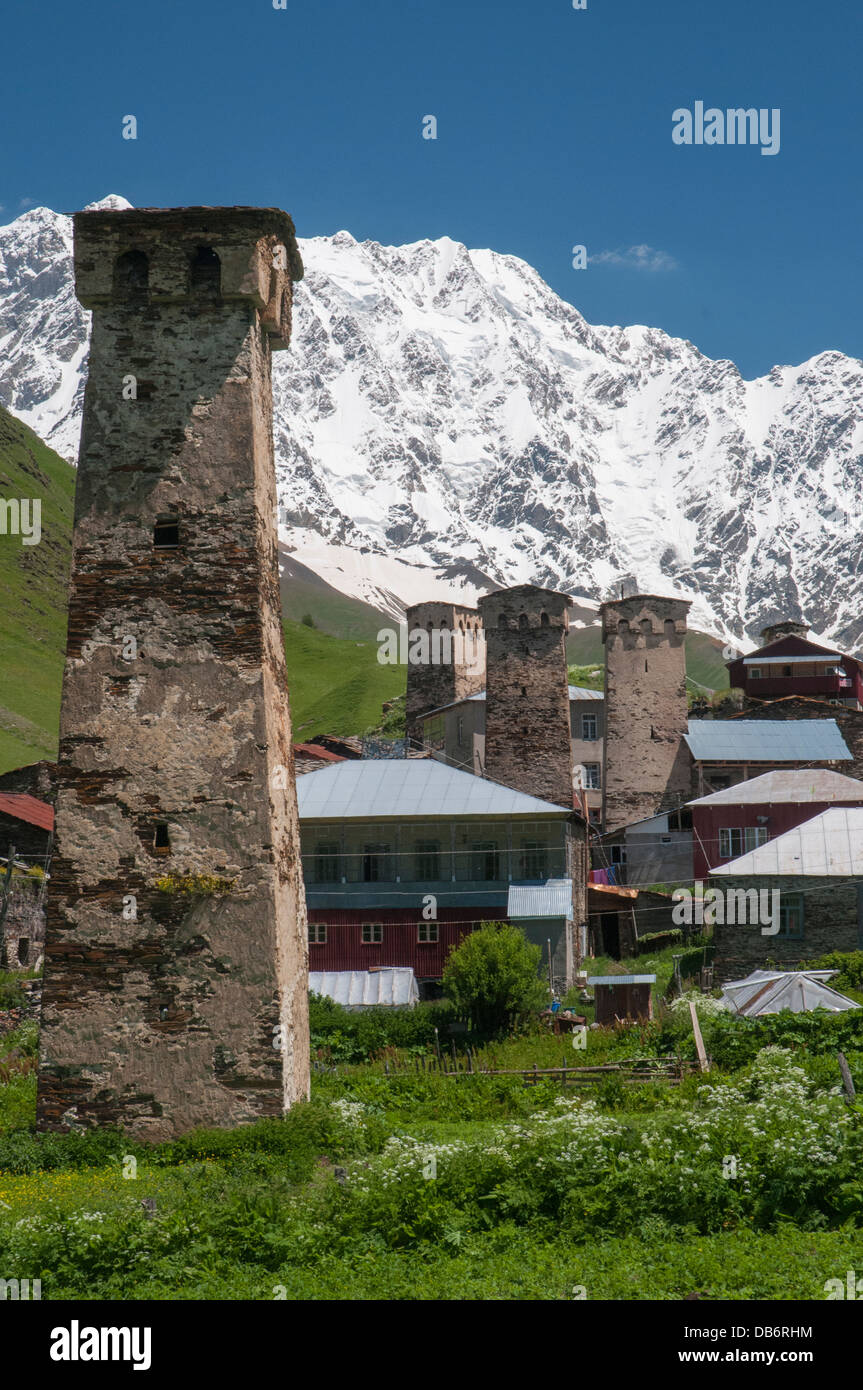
594 815
534 859
24 949
486 862
588 727
375 863
132 277
427 933
373 933
427 860
591 776
733 841
161 838
166 533
617 854
791 916
327 863
459 731
755 673
205 272
786 671
317 933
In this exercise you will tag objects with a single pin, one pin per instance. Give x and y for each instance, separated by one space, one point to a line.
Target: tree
307 620
492 978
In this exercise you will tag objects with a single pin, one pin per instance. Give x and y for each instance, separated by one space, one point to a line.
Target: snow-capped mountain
445 422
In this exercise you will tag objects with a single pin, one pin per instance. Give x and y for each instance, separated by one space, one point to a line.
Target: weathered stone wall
648 768
831 922
432 684
164 1011
527 723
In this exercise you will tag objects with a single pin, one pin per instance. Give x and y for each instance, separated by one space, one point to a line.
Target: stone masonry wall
647 766
164 1009
831 922
433 684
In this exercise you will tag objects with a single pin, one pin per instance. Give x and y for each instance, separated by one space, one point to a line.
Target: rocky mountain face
445 423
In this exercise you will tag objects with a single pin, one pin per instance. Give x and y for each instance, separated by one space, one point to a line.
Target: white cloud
636 258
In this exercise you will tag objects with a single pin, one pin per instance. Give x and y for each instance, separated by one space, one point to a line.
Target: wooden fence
671 1070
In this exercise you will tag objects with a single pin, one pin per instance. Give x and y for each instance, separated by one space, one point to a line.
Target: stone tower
176 960
647 768
788 628
527 725
448 665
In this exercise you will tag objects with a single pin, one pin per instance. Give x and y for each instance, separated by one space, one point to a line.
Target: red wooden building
789 664
740 818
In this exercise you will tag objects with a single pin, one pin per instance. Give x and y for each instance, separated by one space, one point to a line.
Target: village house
817 868
787 663
403 858
731 822
27 830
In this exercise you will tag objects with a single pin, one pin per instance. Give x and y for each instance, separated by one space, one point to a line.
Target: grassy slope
337 684
33 580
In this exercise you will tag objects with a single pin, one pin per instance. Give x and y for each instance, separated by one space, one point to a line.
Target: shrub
492 978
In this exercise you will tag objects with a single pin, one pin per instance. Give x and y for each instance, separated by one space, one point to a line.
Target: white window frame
372 933
427 933
317 933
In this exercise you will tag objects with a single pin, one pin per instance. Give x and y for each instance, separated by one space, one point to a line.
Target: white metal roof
827 846
401 787
795 784
392 985
771 991
621 979
832 657
551 899
766 741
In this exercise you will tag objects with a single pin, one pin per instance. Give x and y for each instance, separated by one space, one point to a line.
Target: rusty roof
20 806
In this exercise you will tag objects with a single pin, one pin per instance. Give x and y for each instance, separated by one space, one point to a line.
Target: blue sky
554 129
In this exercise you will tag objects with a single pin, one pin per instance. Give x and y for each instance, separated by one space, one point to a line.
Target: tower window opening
205 272
161 838
166 533
132 277
503 620
522 620
543 620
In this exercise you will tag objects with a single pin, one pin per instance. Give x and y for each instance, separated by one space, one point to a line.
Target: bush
492 978
344 1035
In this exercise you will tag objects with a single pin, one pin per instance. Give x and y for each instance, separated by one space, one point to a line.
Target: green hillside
33 580
304 592
337 684
705 666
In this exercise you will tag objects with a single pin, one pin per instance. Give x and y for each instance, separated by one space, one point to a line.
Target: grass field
337 684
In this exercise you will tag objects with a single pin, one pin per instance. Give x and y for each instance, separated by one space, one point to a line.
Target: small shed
622 996
392 986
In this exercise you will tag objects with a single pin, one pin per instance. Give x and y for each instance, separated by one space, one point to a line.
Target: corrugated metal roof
576 692
772 991
766 740
27 808
410 787
551 899
827 846
392 986
621 979
795 784
789 660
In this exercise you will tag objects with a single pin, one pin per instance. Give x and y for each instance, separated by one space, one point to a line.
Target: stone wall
433 683
831 922
527 721
648 768
167 1009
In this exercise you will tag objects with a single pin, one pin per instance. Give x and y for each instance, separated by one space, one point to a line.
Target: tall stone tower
527 725
647 768
176 960
451 662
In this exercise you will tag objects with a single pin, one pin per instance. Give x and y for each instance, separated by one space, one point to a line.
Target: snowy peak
444 421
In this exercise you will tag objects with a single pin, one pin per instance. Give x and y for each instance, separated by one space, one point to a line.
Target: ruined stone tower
176 959
455 664
647 765
527 723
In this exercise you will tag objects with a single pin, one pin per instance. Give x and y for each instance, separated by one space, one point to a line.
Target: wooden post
847 1082
4 905
470 1061
699 1041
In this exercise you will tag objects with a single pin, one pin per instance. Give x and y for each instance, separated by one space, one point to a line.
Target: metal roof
771 991
766 741
551 899
404 787
27 808
796 784
392 985
576 692
790 660
827 846
621 979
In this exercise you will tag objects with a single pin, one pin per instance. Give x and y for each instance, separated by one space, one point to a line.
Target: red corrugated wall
783 815
344 949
